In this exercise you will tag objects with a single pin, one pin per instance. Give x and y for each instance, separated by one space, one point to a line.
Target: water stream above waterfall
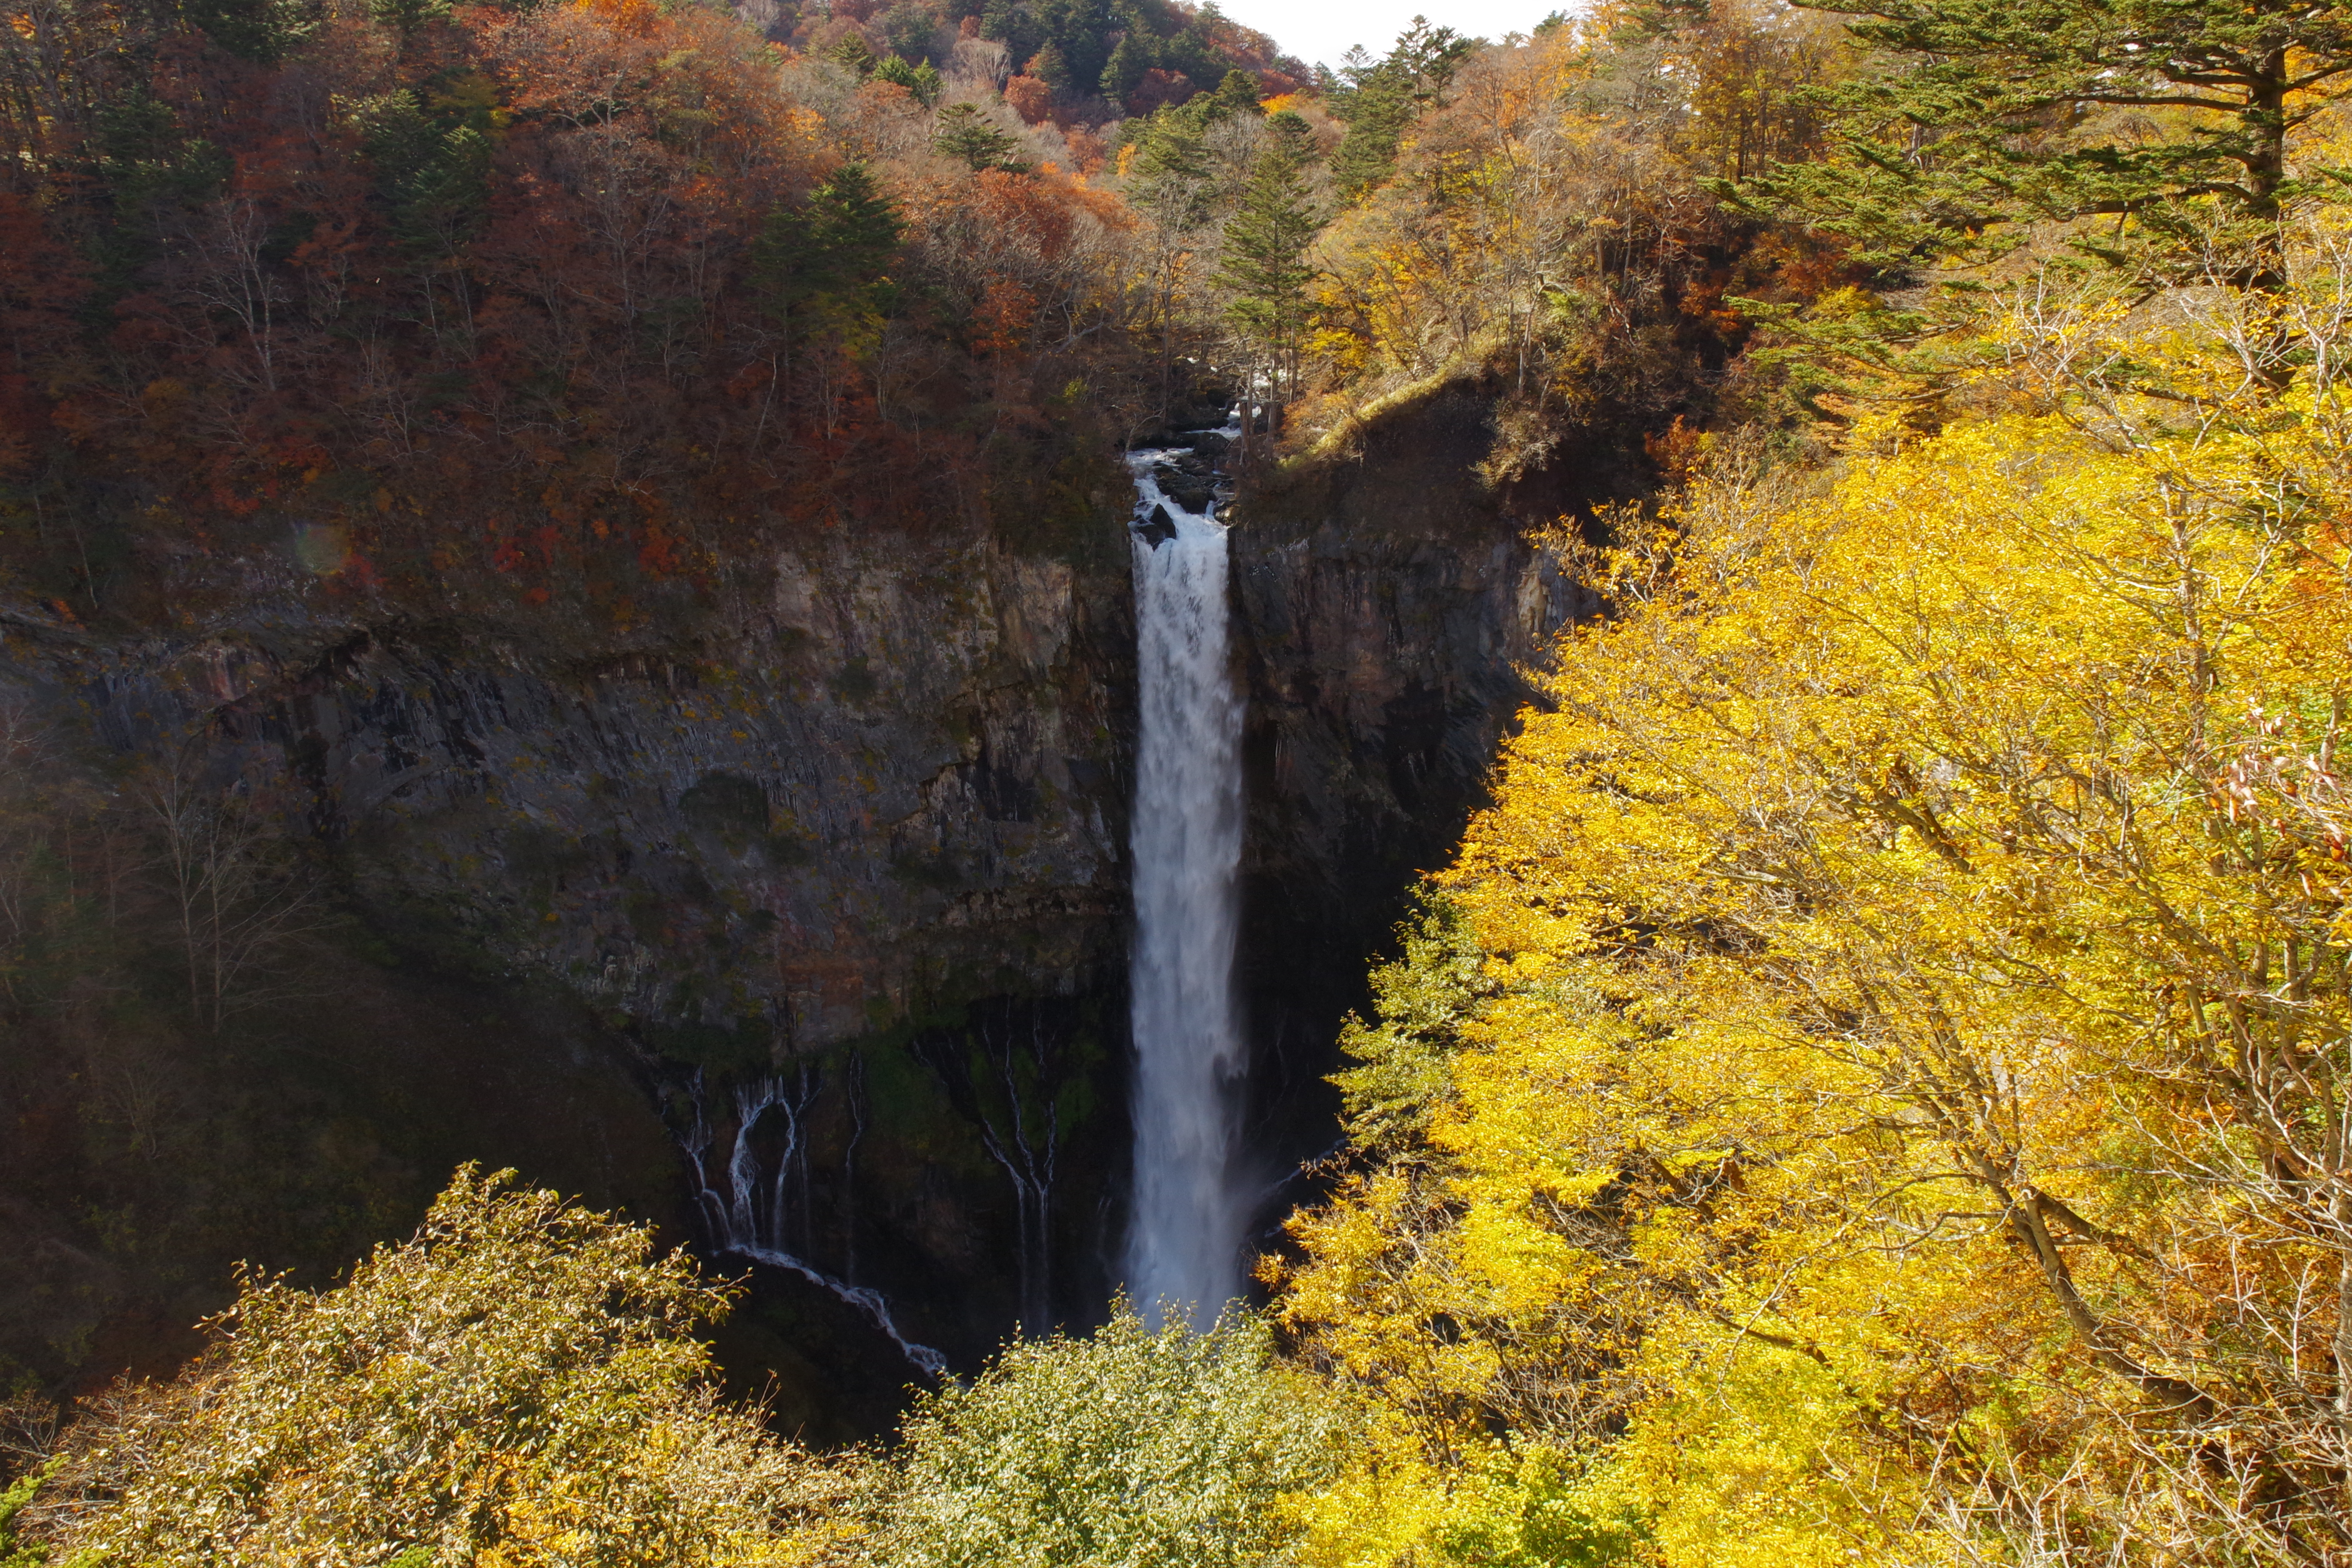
1185 1232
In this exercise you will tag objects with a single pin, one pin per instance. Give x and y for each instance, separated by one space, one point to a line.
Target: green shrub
1126 1449
14 1554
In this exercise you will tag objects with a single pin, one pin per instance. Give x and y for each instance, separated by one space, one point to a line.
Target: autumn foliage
512 1382
1538 218
1876 1086
473 291
1872 1090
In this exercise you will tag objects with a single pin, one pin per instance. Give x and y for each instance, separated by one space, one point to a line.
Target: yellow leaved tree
516 1387
1897 1107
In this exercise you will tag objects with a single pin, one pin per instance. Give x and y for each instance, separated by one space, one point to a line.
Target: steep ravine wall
1383 674
859 853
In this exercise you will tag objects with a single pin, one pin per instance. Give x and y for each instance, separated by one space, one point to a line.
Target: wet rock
1187 486
1158 529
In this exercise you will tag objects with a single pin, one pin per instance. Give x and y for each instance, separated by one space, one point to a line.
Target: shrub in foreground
517 1383
1131 1448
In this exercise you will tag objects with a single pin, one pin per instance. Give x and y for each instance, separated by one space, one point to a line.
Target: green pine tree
963 135
1169 174
1264 261
1127 62
2005 112
408 18
906 29
826 263
1050 65
13 1500
1012 25
433 166
1377 100
854 54
1237 94
922 80
262 31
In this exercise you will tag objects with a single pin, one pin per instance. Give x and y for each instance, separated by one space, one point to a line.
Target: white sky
1322 30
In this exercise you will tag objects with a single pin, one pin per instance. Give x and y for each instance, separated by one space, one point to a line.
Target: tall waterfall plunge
1184 1242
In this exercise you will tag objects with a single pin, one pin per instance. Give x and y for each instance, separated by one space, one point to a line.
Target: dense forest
1872 1084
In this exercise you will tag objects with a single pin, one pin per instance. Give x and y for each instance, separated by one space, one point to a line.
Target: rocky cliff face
846 878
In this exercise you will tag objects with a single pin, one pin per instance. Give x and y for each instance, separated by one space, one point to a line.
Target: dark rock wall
867 835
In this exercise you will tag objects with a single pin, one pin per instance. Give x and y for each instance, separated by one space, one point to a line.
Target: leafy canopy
1995 111
1904 1093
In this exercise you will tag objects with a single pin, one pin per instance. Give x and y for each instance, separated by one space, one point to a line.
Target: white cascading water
1184 1241
752 1217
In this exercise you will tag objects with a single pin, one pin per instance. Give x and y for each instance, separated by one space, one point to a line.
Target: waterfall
1184 1241
755 1224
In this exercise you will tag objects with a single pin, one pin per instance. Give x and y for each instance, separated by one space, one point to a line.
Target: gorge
705 780
999 783
844 886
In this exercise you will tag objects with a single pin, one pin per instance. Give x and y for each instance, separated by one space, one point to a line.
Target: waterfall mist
1184 1240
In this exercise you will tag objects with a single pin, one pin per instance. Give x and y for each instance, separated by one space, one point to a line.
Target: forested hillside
513 306
1870 1087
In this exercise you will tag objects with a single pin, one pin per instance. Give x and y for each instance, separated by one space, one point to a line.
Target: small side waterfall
755 1218
1184 1242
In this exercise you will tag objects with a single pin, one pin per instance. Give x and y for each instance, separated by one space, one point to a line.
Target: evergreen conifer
922 80
1379 98
1237 94
2002 115
964 135
1167 173
1267 238
1125 67
851 54
1050 65
829 257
